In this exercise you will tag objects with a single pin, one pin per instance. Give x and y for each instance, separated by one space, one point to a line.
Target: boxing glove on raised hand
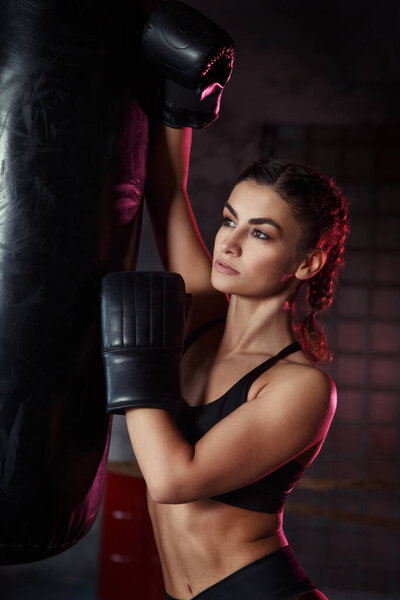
142 323
194 57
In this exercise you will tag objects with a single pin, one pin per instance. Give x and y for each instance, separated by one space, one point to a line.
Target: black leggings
276 576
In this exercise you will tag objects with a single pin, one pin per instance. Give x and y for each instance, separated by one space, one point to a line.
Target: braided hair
322 210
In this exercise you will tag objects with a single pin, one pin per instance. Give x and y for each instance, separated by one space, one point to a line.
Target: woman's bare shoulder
298 370
301 389
305 368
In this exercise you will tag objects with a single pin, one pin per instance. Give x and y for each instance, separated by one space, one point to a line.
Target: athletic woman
258 408
255 407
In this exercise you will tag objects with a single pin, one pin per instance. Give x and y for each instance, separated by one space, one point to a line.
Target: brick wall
344 518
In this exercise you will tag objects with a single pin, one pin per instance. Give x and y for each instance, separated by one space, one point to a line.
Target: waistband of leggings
279 570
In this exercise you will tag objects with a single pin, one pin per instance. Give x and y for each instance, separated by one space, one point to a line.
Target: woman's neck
256 325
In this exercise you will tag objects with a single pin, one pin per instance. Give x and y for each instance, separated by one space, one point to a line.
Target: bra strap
293 347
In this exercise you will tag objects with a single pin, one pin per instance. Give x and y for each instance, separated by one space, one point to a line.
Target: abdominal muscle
201 542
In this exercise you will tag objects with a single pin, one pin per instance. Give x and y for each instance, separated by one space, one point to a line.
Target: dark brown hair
322 210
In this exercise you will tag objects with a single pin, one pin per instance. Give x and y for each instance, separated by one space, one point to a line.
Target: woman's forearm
168 162
174 225
165 193
160 449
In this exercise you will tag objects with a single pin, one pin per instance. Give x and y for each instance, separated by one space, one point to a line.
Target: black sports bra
267 494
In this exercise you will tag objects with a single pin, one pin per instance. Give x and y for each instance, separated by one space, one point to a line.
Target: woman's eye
226 222
261 234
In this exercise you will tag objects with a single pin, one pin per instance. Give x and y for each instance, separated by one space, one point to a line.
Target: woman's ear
312 263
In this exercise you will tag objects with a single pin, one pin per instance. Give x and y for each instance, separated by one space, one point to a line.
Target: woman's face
258 239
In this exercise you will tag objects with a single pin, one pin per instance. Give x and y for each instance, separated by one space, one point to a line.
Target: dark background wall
322 80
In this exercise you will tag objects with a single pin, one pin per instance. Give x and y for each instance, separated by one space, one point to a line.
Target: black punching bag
73 144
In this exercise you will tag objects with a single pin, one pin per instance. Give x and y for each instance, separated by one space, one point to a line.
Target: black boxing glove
142 322
194 57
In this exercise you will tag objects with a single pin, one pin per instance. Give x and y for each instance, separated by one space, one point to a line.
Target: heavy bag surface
73 144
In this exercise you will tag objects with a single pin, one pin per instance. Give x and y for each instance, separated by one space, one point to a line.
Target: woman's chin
220 286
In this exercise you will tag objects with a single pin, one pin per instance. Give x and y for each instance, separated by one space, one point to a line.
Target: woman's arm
177 236
287 417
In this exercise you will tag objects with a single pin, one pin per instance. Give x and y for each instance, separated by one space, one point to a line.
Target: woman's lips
222 267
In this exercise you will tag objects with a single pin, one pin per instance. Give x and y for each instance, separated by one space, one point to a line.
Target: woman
257 407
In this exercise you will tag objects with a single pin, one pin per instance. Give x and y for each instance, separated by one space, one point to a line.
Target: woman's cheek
285 277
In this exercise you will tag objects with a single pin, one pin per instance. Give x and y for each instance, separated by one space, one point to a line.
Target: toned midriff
201 542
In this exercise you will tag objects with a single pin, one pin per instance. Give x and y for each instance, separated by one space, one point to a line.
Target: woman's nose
231 243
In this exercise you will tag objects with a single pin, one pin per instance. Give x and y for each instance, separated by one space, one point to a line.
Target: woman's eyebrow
257 221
